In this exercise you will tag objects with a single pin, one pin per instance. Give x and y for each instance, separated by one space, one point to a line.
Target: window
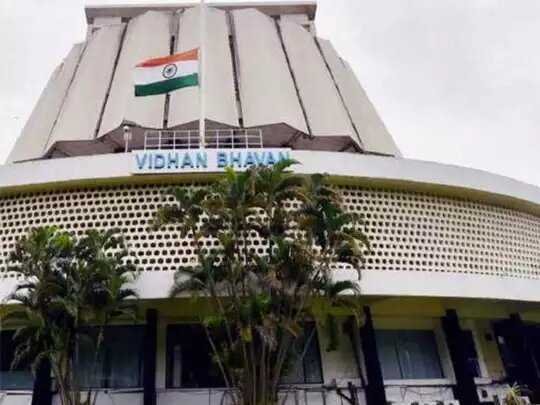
408 354
190 364
471 353
305 367
120 361
19 378
189 358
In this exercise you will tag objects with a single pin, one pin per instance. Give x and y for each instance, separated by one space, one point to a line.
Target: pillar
465 388
150 355
519 340
375 393
41 392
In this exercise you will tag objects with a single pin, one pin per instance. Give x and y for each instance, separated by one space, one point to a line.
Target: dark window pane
293 371
418 355
388 354
305 366
312 357
189 358
190 364
119 362
124 357
408 354
90 369
20 378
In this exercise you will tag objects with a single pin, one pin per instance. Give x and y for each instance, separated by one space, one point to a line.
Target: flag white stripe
153 74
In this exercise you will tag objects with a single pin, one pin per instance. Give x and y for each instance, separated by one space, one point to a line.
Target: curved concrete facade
418 214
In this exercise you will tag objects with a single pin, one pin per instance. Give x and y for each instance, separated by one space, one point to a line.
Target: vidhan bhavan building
451 292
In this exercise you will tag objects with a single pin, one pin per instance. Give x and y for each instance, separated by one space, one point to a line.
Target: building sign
204 160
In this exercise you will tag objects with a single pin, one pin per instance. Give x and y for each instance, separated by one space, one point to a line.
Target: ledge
345 168
272 8
377 283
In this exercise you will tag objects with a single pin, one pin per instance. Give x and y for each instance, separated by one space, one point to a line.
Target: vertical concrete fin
66 94
98 125
372 131
293 76
175 23
321 101
147 36
235 64
35 134
266 86
82 107
220 93
338 90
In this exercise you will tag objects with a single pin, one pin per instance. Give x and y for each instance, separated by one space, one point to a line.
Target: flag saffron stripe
166 86
184 56
149 75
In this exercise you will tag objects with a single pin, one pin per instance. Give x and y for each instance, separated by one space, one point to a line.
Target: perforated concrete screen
420 232
408 231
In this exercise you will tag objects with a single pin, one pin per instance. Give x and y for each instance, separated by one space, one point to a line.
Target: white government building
451 293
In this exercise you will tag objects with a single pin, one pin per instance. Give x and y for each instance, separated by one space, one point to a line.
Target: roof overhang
272 8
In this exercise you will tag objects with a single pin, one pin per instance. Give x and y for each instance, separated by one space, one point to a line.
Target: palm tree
514 396
40 259
69 284
262 302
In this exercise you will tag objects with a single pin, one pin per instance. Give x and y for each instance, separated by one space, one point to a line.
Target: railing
213 139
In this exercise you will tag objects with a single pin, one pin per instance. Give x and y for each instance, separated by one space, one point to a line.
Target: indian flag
162 75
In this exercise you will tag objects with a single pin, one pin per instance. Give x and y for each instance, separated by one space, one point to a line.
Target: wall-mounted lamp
127 137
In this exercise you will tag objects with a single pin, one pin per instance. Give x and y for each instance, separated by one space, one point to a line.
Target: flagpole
202 74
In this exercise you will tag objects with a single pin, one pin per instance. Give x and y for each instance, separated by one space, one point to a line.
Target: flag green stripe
166 86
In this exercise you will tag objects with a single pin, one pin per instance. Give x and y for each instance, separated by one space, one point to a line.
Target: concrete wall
324 109
220 102
146 36
370 128
33 140
487 345
82 108
267 89
396 183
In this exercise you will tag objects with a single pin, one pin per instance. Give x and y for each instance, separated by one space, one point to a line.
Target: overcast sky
455 81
